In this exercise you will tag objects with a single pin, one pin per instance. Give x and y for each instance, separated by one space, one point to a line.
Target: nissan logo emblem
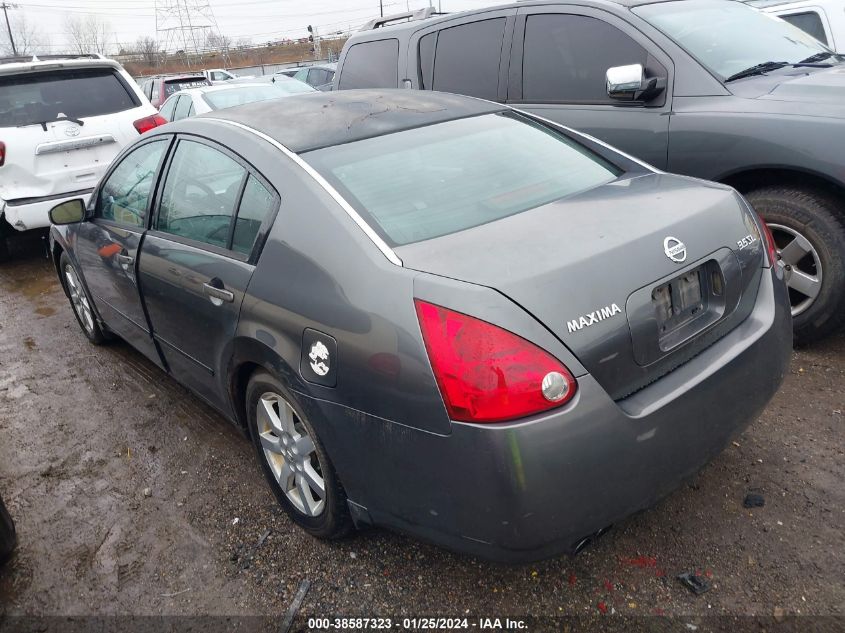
675 249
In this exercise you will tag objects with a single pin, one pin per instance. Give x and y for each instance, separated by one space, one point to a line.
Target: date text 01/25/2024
417 624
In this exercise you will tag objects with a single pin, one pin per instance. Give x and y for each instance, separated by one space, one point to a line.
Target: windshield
729 37
431 181
238 96
77 94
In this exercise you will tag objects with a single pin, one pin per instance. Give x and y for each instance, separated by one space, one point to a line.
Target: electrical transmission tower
188 26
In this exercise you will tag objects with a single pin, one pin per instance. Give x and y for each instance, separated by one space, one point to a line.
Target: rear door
559 61
107 245
60 129
196 261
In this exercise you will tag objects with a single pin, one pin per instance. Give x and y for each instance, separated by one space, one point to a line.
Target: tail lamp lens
771 247
2 153
487 374
148 123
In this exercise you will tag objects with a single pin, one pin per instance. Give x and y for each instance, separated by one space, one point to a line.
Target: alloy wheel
291 454
79 300
802 266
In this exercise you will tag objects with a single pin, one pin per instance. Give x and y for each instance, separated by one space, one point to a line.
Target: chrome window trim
368 230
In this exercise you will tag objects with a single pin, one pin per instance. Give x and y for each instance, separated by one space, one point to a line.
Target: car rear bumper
34 213
529 490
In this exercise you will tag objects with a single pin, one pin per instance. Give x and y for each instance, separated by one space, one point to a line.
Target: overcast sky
259 20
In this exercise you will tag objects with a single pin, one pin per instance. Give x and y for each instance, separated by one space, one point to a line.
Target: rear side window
167 109
256 206
125 194
809 22
371 65
174 86
426 53
42 97
566 57
431 181
182 107
200 194
466 60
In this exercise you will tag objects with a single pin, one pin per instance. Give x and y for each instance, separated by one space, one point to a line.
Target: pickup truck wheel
80 301
294 461
811 243
4 249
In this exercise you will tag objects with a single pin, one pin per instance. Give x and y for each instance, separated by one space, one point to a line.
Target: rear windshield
432 181
231 97
175 85
42 97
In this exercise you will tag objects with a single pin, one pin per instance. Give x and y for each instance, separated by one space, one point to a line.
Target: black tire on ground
92 329
334 521
8 538
813 215
4 248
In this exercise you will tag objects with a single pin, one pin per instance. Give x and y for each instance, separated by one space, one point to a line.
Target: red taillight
149 122
771 247
2 153
487 374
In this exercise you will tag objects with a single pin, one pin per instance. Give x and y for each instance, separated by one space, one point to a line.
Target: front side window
729 37
371 65
566 57
809 22
30 99
431 181
125 195
200 194
466 60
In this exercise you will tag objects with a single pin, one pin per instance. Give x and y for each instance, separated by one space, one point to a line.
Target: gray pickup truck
707 88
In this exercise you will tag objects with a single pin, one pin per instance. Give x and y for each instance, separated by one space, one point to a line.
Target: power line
6 6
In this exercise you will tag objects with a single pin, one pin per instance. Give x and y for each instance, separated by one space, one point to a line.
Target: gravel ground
85 431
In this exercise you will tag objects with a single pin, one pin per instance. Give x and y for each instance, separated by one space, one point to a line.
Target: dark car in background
8 537
319 76
708 88
434 313
158 89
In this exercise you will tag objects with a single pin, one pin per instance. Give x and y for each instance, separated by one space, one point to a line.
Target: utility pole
6 6
381 7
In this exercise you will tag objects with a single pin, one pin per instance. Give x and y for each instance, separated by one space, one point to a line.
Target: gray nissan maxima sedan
434 313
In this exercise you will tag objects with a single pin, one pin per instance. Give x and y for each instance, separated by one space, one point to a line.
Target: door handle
125 260
218 295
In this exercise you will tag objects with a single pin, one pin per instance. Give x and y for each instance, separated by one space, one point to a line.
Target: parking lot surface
132 497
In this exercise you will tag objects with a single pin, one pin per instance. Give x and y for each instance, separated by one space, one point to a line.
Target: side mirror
629 83
68 212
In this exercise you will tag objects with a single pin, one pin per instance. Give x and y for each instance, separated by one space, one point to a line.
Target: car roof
201 90
323 119
15 65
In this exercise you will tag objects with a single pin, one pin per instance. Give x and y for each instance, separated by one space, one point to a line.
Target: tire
80 302
8 538
286 433
4 249
811 239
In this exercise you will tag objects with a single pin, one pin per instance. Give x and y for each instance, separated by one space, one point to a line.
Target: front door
197 260
558 71
108 244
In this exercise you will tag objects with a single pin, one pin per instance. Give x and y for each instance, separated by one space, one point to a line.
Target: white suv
62 120
823 19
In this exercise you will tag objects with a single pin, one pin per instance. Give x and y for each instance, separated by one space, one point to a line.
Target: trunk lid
594 270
